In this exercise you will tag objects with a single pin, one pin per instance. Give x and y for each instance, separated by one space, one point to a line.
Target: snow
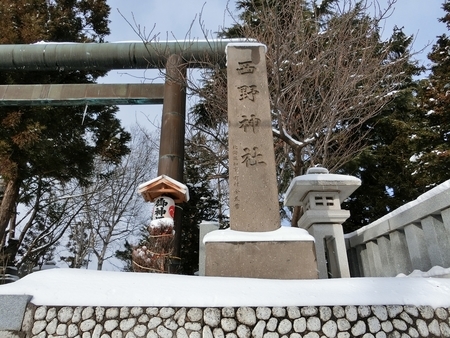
242 43
435 271
283 234
74 287
162 222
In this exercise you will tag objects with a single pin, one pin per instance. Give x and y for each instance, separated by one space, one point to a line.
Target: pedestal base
253 258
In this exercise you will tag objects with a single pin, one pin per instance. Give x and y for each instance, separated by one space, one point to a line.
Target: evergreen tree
384 166
125 256
202 205
329 75
409 146
41 144
433 146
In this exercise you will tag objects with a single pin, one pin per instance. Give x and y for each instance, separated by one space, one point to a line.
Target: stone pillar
400 254
364 263
330 239
373 255
417 247
205 228
253 184
384 248
255 245
437 239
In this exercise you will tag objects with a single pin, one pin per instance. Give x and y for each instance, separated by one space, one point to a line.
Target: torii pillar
171 150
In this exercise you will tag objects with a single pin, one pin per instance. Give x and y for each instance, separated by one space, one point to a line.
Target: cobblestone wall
243 322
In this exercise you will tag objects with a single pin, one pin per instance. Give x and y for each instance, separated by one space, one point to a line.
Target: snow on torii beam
108 56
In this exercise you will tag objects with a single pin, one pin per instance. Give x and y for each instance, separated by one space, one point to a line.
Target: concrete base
274 260
12 312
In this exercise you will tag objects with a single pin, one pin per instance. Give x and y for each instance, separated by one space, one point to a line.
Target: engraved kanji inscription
247 92
160 206
247 123
252 157
245 67
252 169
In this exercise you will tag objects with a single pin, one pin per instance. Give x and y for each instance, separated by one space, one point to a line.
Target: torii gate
175 57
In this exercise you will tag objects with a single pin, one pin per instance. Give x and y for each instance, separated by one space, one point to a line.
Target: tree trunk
7 206
296 214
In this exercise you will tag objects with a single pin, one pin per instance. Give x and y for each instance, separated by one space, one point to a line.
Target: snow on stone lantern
156 254
320 194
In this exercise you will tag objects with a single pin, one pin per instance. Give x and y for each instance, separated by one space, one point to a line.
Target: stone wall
228 322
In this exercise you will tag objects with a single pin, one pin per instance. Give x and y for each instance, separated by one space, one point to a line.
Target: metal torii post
106 56
171 144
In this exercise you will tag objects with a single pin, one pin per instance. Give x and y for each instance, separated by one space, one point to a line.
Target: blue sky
173 19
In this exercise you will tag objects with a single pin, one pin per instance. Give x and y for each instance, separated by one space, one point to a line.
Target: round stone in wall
330 329
351 313
313 324
279 312
195 314
112 313
166 312
38 326
228 324
359 328
259 328
380 312
243 331
263 313
246 315
40 313
293 312
87 313
228 312
426 312
285 326
309 311
218 333
325 313
111 324
211 316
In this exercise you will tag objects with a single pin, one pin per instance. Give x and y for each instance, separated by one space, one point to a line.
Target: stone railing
415 236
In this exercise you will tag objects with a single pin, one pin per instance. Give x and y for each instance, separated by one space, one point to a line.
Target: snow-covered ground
73 287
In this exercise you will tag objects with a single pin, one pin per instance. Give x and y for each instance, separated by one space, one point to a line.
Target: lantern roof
320 180
164 186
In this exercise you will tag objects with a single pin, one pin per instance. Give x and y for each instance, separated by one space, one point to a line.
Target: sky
180 19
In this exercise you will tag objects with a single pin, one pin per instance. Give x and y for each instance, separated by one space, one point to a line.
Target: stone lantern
320 195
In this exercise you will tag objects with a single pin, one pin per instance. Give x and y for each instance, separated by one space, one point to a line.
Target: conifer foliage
44 146
433 151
